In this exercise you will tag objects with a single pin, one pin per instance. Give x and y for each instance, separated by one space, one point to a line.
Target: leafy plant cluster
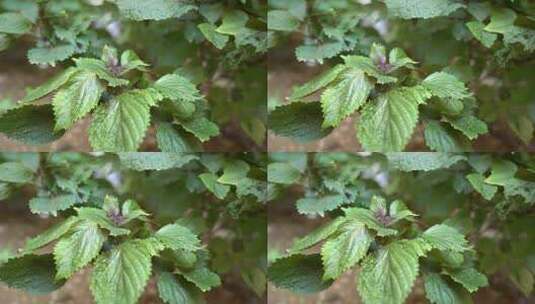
459 222
472 58
182 219
217 49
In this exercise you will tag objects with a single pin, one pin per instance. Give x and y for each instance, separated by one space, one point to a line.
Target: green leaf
317 83
99 68
317 235
319 52
200 126
282 173
369 219
387 123
345 97
210 33
14 23
50 56
99 217
470 278
443 237
387 277
50 235
176 237
438 291
300 121
345 250
502 172
77 250
73 102
49 86
233 23
170 139
423 161
120 125
279 20
210 182
154 9
369 68
176 87
398 59
140 161
202 277
174 291
444 85
469 125
477 29
523 279
13 172
319 205
30 124
51 205
478 182
35 274
439 138
299 273
120 276
408 9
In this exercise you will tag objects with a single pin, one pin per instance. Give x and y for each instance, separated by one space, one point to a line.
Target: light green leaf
279 20
486 38
120 276
369 67
210 182
30 124
99 67
176 237
444 85
50 235
202 277
170 139
35 274
13 172
422 161
438 291
142 161
100 217
319 52
502 172
50 56
77 250
478 182
51 205
387 277
470 278
120 125
319 205
317 235
176 87
387 123
14 23
469 125
443 237
49 86
200 126
153 9
369 219
300 121
234 22
302 274
408 9
210 33
345 97
440 139
282 173
317 83
76 100
345 250
174 291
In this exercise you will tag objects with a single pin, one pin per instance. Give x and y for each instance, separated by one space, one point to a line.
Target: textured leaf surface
470 278
177 87
388 276
470 126
210 33
154 161
99 217
369 219
317 83
121 275
99 68
445 85
279 20
153 9
345 250
77 250
50 55
345 97
409 9
443 237
319 205
282 173
176 237
300 121
34 274
51 205
75 101
423 161
14 23
440 139
478 182
301 274
121 124
438 291
50 85
210 182
173 291
50 235
171 139
14 172
317 235
387 123
202 277
30 124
